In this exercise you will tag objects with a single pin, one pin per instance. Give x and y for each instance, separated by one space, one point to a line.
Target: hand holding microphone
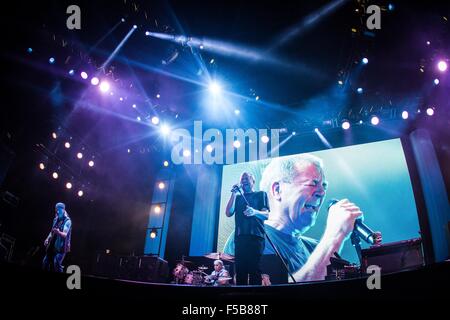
347 217
235 188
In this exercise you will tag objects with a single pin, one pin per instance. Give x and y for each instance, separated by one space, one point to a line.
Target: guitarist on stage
58 241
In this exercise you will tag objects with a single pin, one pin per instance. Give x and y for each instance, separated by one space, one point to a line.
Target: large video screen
374 176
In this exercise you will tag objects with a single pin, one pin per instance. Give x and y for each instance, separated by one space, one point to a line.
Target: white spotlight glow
91 163
264 139
95 81
84 75
155 120
68 185
79 155
436 81
345 125
161 185
67 145
41 166
54 135
237 144
166 163
405 115
375 120
209 148
430 111
55 175
104 86
442 65
80 193
215 88
165 130
186 153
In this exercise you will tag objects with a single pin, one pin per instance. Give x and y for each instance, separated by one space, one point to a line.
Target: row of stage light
55 174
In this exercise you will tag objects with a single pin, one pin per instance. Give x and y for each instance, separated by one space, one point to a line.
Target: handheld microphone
361 229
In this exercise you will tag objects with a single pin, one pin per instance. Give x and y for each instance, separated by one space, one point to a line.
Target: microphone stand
271 243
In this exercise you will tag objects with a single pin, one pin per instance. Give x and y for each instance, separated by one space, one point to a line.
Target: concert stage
225 152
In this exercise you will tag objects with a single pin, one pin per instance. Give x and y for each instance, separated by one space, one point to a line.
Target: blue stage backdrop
374 176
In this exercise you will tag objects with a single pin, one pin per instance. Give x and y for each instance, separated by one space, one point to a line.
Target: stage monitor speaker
152 269
395 256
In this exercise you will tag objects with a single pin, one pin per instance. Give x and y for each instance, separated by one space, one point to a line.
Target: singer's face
247 182
303 197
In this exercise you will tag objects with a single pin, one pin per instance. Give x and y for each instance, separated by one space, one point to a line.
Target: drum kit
199 277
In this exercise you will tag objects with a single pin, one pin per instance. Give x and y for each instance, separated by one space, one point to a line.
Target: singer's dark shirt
250 225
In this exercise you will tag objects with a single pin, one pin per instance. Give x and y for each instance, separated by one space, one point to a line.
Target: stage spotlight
442 65
54 135
237 112
264 139
157 209
153 234
359 90
345 125
375 120
428 43
67 145
405 115
391 7
360 122
155 120
147 33
121 98
430 111
211 61
128 150
134 106
41 166
237 144
95 81
91 163
30 50
69 185
135 27
365 60
161 185
138 118
215 88
104 86
51 60
166 163
436 81
84 75
316 130
209 148
55 175
257 98
158 96
294 133
201 47
71 72
80 193
186 153
165 130
340 82
79 155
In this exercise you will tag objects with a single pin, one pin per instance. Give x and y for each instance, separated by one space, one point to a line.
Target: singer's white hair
219 262
284 169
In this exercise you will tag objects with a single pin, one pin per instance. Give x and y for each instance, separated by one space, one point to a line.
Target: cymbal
219 256
183 262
